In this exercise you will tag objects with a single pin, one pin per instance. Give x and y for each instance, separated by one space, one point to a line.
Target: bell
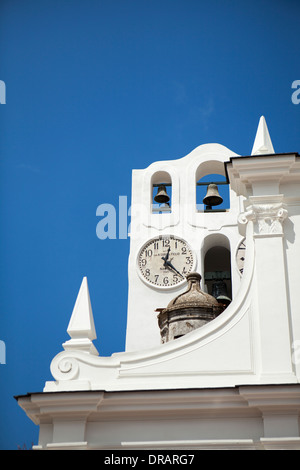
219 291
212 197
162 196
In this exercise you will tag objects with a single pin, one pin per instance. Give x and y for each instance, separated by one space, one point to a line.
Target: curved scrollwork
64 367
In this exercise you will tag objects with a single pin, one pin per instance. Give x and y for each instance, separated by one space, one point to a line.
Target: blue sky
94 89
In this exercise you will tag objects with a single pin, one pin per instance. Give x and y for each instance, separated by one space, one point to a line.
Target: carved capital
267 217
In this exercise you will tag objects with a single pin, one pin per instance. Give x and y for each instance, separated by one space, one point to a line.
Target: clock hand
167 255
168 264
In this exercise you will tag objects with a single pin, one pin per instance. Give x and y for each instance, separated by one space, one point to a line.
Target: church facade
223 371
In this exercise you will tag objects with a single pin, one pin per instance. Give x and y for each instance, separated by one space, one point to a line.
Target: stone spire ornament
262 144
81 327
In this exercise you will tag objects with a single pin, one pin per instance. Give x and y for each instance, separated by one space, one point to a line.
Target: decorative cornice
121 410
249 174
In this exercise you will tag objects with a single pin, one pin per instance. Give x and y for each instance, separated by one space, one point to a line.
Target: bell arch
210 167
161 192
212 172
153 214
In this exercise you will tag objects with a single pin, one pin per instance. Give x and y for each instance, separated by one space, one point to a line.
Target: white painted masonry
233 383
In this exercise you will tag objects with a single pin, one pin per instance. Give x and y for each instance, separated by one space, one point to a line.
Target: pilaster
258 178
267 214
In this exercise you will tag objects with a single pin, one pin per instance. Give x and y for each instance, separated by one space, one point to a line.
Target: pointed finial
262 144
81 327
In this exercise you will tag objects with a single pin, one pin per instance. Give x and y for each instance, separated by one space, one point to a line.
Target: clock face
240 256
165 261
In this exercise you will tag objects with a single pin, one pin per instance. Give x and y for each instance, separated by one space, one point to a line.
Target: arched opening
161 193
221 189
217 268
211 171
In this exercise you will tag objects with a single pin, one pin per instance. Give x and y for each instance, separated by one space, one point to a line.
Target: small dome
188 311
194 296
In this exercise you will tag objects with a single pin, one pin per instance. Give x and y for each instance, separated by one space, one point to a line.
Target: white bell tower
212 235
244 363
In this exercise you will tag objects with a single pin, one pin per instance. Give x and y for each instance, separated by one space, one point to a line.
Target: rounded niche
217 266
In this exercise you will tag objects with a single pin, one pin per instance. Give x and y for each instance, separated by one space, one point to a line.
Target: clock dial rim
153 240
